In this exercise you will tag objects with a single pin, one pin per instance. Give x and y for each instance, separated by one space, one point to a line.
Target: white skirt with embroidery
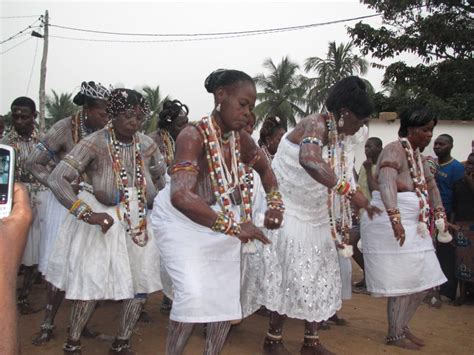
203 266
55 214
392 270
90 265
31 255
298 274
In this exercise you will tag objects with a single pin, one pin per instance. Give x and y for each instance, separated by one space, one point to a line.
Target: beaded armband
44 148
81 210
394 216
184 166
439 213
311 140
343 187
275 201
254 160
226 225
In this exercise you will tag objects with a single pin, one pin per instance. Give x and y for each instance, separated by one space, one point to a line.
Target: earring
340 123
218 108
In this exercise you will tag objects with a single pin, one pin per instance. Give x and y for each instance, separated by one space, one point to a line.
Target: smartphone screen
5 161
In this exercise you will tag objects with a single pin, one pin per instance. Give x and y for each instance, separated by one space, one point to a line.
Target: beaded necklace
341 226
21 173
223 181
79 128
167 146
138 233
415 165
267 153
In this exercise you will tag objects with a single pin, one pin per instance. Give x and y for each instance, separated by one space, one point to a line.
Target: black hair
377 141
170 111
123 99
269 126
225 77
414 115
82 99
24 102
350 93
448 137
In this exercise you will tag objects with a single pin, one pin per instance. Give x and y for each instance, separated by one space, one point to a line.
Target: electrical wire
20 32
32 67
16 45
15 17
258 31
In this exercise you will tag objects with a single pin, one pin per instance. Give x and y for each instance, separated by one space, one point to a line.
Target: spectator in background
463 217
367 184
448 173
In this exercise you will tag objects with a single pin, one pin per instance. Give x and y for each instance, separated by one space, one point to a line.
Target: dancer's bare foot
44 336
324 325
274 347
25 308
413 338
338 321
404 344
314 348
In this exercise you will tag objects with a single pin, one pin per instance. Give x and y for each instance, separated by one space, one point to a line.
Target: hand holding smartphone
7 174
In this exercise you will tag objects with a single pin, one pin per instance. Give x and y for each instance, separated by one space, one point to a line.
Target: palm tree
282 91
59 107
339 63
155 100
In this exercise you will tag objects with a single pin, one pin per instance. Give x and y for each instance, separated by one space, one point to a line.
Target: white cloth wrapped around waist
90 265
377 234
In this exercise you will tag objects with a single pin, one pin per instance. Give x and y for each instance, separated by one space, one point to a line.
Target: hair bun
212 79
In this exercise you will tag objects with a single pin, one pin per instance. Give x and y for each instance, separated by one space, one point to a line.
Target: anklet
46 326
311 344
311 336
70 348
120 347
276 337
389 340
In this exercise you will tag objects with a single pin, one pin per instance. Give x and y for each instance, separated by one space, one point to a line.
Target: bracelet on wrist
226 225
342 187
275 201
81 210
394 216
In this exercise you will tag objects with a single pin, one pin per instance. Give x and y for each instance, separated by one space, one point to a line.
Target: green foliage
58 107
283 92
339 63
441 33
155 100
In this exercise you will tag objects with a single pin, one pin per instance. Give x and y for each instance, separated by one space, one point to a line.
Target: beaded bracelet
311 140
226 225
342 187
184 166
394 216
275 201
439 213
80 209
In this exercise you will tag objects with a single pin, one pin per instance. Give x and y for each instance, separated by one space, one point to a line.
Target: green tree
441 34
283 93
339 63
59 107
155 99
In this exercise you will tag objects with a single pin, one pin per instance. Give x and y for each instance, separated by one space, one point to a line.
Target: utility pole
42 91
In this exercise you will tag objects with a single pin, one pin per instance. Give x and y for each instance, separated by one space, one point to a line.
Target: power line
16 45
32 67
20 32
15 17
258 31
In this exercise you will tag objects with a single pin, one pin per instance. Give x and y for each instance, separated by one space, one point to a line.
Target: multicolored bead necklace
342 225
167 146
225 182
138 233
415 165
21 173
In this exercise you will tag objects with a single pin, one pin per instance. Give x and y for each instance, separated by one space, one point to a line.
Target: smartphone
7 172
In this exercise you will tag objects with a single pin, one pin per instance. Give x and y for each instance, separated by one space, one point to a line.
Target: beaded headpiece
121 100
91 90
